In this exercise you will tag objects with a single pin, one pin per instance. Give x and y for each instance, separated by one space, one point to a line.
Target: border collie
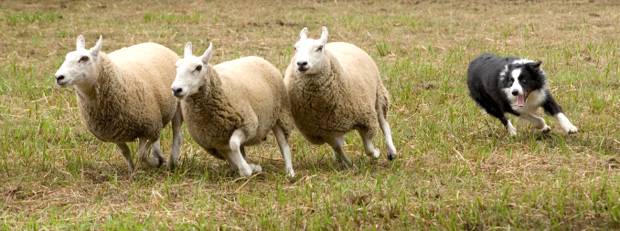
513 85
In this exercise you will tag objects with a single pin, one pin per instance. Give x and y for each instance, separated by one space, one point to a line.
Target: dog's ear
536 64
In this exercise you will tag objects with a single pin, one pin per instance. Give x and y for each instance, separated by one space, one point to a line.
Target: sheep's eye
319 49
198 68
83 59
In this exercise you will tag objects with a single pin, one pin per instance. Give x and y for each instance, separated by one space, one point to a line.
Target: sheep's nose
60 77
177 91
515 92
302 66
302 63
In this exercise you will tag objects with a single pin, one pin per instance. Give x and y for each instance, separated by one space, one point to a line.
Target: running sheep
335 88
232 105
125 95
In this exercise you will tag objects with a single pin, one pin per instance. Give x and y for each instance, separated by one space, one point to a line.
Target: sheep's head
80 66
191 71
310 53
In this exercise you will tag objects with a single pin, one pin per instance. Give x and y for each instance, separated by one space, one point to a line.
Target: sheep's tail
383 100
285 119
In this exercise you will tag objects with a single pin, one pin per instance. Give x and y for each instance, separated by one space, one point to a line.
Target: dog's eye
319 49
198 68
83 59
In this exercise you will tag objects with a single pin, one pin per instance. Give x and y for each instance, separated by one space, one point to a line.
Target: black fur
485 84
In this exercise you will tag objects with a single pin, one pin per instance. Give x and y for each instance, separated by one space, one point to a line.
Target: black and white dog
513 85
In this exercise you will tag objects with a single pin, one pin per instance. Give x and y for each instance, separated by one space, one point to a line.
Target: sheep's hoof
391 156
545 129
245 172
374 154
154 162
290 173
256 168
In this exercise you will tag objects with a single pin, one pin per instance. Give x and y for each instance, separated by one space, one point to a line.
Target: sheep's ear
187 52
324 35
207 55
79 42
95 50
303 34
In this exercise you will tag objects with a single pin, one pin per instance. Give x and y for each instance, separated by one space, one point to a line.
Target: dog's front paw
512 131
571 129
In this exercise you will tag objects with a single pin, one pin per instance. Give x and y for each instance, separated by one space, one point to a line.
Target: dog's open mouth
521 100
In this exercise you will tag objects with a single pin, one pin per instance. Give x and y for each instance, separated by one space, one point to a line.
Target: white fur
523 61
511 129
310 51
76 71
187 79
516 86
565 123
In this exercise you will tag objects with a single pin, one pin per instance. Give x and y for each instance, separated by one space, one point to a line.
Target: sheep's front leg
177 138
236 157
336 143
285 150
127 154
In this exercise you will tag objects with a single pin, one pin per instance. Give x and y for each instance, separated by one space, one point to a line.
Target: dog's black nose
302 64
515 93
177 91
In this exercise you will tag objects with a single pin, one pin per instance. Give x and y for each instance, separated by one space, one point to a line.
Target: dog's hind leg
494 110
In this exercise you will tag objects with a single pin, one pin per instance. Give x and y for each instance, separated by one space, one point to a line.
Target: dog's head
520 78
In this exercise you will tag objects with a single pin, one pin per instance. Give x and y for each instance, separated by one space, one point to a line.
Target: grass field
457 169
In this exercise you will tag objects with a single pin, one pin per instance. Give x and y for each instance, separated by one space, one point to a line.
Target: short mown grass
457 167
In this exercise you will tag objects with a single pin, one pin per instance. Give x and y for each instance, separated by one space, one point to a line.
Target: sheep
334 88
125 95
232 105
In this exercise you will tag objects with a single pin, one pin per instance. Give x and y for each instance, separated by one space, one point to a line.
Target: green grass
457 167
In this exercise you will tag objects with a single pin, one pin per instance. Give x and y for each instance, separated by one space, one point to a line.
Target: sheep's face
191 71
310 53
79 66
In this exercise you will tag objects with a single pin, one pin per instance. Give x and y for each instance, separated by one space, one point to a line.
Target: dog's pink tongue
520 100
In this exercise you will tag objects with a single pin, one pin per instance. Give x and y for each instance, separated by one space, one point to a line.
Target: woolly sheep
233 104
125 95
335 88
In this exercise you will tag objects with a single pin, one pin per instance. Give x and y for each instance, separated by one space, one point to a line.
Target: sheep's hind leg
387 132
127 154
336 143
236 157
143 145
156 159
369 147
177 138
285 150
